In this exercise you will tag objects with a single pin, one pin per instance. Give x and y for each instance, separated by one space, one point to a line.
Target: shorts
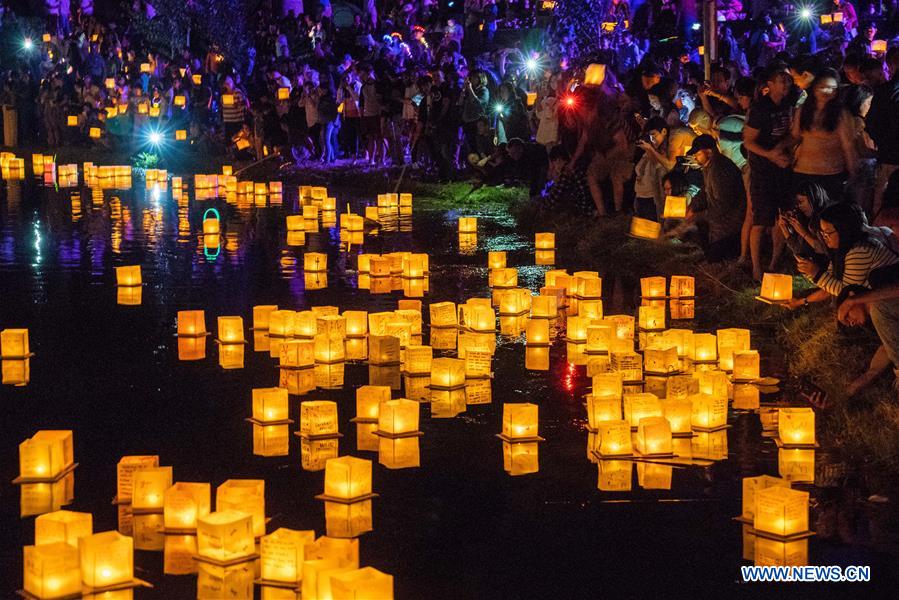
612 166
770 190
371 126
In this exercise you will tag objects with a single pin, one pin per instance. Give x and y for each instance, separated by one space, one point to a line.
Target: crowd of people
790 145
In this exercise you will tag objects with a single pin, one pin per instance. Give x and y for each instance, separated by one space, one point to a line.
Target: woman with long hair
801 227
854 250
823 129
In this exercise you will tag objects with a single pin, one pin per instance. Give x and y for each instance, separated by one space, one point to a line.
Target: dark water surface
456 527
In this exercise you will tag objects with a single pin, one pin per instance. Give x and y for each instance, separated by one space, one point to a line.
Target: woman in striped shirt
855 251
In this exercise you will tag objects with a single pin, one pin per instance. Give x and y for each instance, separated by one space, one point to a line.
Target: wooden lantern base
322 436
20 480
397 436
265 423
362 498
522 440
781 444
226 563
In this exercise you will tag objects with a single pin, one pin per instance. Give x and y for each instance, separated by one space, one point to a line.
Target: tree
578 25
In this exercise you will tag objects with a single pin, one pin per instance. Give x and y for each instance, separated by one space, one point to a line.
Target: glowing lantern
468 224
781 511
447 373
125 470
270 405
639 406
879 46
315 262
62 526
614 438
538 332
107 559
796 426
52 571
545 241
602 408
503 278
730 341
154 110
751 486
366 583
329 350
398 418
599 338
705 348
282 553
305 324
608 385
652 287
443 314
262 316
713 383
347 479
577 329
368 401
225 535
149 486
628 364
128 276
544 307
72 120
588 287
281 323
318 418
383 350
46 455
379 266
709 412
776 287
401 331
682 286
14 343
415 265
94 133
185 503
231 330
746 365
244 495
496 259
418 359
478 317
297 354
520 422
681 339
191 323
653 436
661 361
595 74
645 229
679 413
675 207
356 323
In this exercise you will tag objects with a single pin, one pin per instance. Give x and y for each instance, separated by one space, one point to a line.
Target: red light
569 101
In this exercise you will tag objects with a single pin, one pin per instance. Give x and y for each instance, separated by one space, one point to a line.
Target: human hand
644 145
795 303
807 267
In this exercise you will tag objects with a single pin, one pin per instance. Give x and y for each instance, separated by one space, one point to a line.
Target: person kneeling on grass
858 305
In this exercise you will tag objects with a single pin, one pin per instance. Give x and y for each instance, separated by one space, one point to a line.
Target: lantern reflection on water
520 458
271 440
16 371
615 475
315 453
768 552
796 464
178 553
536 358
228 581
398 453
344 520
231 356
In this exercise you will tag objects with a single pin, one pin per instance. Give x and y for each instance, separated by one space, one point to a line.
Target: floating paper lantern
595 74
191 323
231 330
125 470
478 317
46 454
713 383
398 417
368 401
781 511
751 486
52 570
244 495
796 426
608 385
709 412
588 287
262 316
347 479
328 349
538 332
746 365
185 503
270 404
63 526
879 46
520 421
628 364
418 360
107 559
602 408
503 277
318 418
366 583
282 553
305 324
653 436
128 275
730 341
639 406
682 286
356 323
443 314
679 413
496 259
447 373
599 337
383 350
225 535
645 229
652 287
149 486
297 354
545 241
315 262
705 347
468 224
776 287
14 343
544 307
661 361
614 438
652 317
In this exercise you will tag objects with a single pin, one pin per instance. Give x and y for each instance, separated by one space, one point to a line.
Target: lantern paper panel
639 406
545 241
751 485
602 408
125 470
496 259
652 287
614 438
52 570
776 287
347 478
383 350
368 400
653 436
520 421
713 383
644 228
746 365
675 207
46 454
107 559
781 511
63 526
14 343
231 356
652 317
178 552
282 553
679 413
230 330
663 361
148 531
796 426
628 364
318 418
536 358
270 404
468 224
244 495
149 486
398 417
225 535
185 503
709 412
356 323
366 583
521 458
128 275
447 373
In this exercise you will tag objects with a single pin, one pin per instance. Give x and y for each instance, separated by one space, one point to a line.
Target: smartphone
416 99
